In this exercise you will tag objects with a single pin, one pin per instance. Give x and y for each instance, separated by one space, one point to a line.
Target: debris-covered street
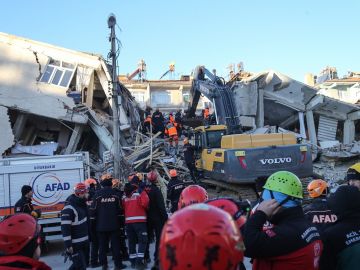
178 136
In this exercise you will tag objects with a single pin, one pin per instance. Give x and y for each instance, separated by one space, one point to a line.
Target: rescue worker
178 120
171 132
341 239
147 126
74 227
172 118
24 205
192 194
293 243
156 214
158 122
189 158
108 215
91 184
318 212
201 237
237 210
207 115
353 175
19 243
118 187
135 204
174 189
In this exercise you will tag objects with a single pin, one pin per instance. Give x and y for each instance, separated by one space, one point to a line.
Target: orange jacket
206 113
170 129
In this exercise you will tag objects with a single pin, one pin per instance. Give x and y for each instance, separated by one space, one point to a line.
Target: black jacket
24 205
174 189
342 239
189 153
319 214
291 232
157 119
157 211
74 222
106 210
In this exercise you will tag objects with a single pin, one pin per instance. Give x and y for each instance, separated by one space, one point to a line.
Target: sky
292 37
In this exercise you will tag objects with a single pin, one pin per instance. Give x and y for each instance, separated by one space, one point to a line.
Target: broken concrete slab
6 135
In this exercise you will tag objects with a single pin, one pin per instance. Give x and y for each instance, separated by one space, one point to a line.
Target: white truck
52 179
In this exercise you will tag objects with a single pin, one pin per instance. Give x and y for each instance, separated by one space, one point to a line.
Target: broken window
58 73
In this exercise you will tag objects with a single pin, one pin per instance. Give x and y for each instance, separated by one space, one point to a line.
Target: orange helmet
192 194
116 183
151 176
16 232
205 231
106 176
90 181
232 207
173 173
317 187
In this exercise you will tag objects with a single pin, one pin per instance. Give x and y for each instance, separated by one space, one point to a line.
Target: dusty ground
54 259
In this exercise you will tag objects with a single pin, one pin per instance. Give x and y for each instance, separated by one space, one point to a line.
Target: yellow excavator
230 159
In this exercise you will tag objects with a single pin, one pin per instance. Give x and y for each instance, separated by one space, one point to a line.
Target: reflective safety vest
170 130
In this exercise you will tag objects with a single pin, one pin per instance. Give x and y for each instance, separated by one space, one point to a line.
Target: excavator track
243 191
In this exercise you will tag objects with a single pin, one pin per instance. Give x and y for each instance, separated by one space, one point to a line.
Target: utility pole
115 104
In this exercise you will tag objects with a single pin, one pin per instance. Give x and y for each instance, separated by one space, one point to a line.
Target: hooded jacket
292 244
342 239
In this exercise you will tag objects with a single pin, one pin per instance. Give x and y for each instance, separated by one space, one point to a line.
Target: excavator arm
219 94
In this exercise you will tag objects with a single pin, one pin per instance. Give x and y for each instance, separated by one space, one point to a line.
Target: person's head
186 140
81 190
285 187
27 191
131 176
157 109
173 173
116 183
317 188
353 175
200 237
236 209
129 189
345 202
90 182
19 235
152 176
191 195
106 180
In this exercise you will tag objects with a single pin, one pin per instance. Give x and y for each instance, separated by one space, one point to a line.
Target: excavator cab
208 143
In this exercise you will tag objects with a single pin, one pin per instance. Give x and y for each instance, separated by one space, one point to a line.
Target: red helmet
80 188
173 173
200 237
230 206
16 232
152 176
192 194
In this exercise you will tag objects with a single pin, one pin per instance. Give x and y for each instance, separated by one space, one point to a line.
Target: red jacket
135 207
21 262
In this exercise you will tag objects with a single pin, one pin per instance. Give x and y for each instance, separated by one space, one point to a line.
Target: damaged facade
53 95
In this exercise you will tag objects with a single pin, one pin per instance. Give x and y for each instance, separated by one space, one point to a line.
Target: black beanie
25 190
106 183
352 174
345 201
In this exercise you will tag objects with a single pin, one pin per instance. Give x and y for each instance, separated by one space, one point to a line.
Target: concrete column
90 91
74 139
349 132
19 125
29 135
302 125
311 127
64 135
260 109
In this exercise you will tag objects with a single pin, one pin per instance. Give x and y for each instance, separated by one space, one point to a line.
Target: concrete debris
7 137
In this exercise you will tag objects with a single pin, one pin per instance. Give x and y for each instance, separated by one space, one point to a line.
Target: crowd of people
193 231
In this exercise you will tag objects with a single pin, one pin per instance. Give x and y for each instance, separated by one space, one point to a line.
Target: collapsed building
58 101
